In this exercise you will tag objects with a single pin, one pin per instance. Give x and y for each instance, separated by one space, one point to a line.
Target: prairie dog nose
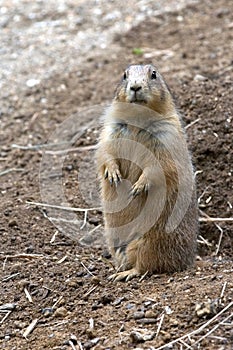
135 87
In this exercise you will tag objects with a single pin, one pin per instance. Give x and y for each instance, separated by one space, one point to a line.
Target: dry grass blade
40 146
211 331
46 205
198 330
223 290
80 345
210 219
159 325
220 238
89 291
72 345
192 123
22 256
84 220
30 328
202 240
202 195
75 149
28 295
7 171
84 266
5 317
207 218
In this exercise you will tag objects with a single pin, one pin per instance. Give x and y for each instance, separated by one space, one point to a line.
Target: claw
113 176
124 275
136 190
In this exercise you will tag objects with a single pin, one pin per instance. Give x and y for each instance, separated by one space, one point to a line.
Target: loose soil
58 257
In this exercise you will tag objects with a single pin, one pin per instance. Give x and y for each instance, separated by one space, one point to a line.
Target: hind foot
124 275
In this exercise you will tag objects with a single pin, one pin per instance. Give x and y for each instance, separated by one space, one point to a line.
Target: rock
209 307
12 223
138 315
32 82
199 77
91 343
7 307
48 311
60 312
94 221
150 314
142 336
106 299
147 320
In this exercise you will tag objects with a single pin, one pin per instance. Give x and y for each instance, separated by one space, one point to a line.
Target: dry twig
192 123
220 238
5 317
54 235
89 292
62 260
22 256
72 345
204 241
84 220
211 331
80 345
46 205
30 328
11 170
159 325
210 219
223 290
28 295
40 146
198 330
202 195
75 149
7 278
83 265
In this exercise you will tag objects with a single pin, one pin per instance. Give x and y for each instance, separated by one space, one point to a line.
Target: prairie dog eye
124 76
153 75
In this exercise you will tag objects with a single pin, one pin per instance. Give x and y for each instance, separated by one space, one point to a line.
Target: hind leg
130 260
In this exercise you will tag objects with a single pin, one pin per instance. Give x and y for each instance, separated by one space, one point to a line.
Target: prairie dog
146 178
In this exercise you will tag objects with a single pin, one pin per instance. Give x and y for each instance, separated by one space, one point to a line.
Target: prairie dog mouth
137 97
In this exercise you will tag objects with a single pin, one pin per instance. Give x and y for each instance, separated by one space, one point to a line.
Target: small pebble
106 299
91 343
150 314
32 82
130 306
47 311
118 301
147 320
60 312
73 338
136 337
199 77
138 314
7 307
12 223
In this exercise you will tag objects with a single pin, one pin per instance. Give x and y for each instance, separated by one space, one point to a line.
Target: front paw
112 173
140 186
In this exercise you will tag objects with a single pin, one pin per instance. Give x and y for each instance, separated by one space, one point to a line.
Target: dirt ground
60 63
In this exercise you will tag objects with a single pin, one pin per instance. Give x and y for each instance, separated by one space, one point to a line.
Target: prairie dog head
143 84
